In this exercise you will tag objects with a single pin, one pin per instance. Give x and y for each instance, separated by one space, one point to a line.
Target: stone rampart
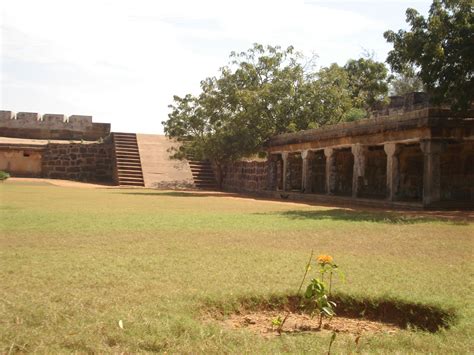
91 162
51 126
245 176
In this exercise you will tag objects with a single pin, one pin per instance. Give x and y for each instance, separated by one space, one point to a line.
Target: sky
122 61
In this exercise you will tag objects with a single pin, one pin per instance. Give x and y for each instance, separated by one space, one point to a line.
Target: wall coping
427 117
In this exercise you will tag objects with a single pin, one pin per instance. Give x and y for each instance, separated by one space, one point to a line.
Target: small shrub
4 175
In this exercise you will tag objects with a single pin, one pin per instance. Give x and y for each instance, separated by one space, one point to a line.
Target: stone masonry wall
91 162
245 176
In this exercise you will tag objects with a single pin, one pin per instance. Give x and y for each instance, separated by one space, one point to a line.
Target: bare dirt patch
260 322
61 183
355 315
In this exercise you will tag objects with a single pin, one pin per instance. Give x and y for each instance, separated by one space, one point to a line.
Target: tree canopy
441 49
266 91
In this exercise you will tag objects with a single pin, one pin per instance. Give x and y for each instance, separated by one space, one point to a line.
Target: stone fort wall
245 176
32 125
88 161
92 162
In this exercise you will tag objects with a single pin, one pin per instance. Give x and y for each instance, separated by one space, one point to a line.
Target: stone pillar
306 173
272 172
358 174
431 170
393 170
330 171
284 157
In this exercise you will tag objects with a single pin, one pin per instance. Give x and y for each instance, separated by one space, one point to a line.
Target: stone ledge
424 118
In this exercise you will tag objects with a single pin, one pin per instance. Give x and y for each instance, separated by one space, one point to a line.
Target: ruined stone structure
51 126
423 158
408 154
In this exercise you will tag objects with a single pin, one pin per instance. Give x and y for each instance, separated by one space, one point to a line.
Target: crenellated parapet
51 126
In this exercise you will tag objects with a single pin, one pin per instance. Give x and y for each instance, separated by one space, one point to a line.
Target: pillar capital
358 149
284 155
305 154
391 149
328 152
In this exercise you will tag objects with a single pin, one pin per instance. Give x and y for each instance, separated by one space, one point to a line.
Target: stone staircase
203 174
127 160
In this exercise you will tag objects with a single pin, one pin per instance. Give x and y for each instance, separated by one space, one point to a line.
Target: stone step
125 155
124 139
198 163
131 174
130 179
126 167
205 175
126 150
125 145
203 171
121 164
121 134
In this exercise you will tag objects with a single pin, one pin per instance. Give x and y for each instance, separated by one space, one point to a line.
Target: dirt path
63 183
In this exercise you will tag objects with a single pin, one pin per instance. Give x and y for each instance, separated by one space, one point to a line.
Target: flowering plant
318 290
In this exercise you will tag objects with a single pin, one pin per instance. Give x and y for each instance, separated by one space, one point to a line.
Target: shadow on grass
401 313
370 216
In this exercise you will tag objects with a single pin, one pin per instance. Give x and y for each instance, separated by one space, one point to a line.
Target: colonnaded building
409 154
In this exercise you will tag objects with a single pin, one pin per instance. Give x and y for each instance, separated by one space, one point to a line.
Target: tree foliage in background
368 82
405 82
441 49
266 91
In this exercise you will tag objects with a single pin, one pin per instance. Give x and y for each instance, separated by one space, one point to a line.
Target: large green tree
441 48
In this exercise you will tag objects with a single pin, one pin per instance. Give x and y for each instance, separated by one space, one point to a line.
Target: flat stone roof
427 122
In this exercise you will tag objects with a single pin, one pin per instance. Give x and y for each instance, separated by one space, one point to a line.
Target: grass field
73 262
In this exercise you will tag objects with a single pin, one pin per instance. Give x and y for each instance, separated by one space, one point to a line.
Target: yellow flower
324 259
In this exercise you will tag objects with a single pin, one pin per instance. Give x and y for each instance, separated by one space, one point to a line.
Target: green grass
73 262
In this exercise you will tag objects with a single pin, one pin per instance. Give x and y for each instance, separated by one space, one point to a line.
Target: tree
254 97
262 92
368 82
331 94
441 48
405 82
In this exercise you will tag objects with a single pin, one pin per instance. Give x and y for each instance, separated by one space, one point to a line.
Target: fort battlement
33 125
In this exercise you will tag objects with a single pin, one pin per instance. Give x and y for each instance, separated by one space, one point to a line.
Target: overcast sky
122 61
